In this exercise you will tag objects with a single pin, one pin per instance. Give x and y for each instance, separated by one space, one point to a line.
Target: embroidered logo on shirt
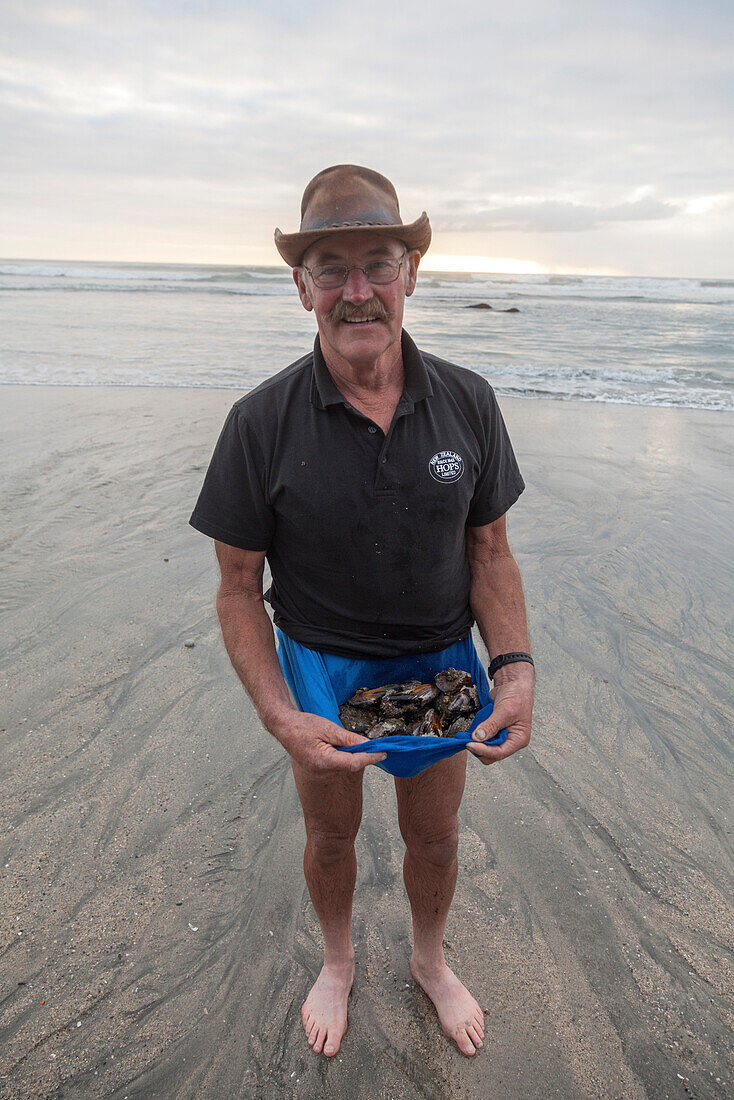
446 466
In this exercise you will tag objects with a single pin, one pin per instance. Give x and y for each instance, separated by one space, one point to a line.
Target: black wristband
502 659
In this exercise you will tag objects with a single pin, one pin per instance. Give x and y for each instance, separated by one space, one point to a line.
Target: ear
414 258
299 278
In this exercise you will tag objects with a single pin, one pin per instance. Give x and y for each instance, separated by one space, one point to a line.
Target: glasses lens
382 271
330 277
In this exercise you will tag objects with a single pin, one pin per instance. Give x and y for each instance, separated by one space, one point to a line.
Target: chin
374 337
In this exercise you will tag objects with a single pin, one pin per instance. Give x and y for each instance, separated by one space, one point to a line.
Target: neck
367 379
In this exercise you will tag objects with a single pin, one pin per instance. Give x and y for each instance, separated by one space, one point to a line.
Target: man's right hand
312 741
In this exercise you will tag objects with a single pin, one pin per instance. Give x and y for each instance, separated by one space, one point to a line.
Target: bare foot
461 1017
324 1011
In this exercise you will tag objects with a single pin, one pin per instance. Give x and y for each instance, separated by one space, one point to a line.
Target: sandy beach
157 936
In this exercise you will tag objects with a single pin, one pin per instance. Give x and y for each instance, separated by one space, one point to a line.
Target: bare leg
332 810
428 814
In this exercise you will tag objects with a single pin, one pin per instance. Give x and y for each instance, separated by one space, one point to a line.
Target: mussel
411 695
451 679
356 719
369 697
439 709
388 727
431 725
463 702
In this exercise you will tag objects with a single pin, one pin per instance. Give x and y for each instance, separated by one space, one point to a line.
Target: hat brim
292 246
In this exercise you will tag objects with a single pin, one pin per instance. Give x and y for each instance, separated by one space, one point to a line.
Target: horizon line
538 269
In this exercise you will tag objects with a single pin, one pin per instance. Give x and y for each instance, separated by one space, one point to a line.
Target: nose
357 287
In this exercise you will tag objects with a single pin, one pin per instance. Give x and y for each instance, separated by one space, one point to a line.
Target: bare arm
248 635
250 643
498 605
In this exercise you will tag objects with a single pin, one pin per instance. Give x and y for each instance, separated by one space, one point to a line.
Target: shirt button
372 429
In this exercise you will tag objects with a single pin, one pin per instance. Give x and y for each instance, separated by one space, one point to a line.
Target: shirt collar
417 385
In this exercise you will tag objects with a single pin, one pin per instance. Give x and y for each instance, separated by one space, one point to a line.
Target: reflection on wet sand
157 936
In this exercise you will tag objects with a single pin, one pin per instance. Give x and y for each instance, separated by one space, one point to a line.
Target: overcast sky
570 134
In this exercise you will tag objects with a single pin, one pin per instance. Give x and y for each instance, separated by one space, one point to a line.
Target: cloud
553 216
542 117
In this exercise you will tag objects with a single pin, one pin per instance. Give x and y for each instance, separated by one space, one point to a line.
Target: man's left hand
513 711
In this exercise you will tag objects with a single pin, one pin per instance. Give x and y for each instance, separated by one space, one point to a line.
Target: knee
330 848
437 848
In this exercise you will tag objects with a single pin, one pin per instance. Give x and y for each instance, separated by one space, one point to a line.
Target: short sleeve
500 482
233 504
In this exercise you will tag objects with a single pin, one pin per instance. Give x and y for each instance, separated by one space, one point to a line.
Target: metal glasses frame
356 267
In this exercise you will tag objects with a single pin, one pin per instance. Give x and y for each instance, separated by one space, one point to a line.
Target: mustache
374 310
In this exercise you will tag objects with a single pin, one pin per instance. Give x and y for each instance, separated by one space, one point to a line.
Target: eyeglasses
377 272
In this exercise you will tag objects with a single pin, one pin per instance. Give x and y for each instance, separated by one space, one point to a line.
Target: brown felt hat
344 198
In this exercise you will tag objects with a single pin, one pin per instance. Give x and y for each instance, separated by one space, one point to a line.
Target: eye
379 265
329 271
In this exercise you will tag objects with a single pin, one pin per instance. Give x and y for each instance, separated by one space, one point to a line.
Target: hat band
345 225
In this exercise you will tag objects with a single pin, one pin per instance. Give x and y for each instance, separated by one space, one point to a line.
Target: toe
474 1035
464 1043
319 1043
331 1046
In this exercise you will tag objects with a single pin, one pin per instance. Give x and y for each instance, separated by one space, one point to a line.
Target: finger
488 730
482 759
489 754
361 760
500 718
338 760
340 736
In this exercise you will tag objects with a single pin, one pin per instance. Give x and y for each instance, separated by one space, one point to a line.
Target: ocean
640 341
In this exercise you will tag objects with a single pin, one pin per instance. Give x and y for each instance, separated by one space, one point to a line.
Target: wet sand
157 937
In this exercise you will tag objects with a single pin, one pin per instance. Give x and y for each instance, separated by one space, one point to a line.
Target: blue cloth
321 682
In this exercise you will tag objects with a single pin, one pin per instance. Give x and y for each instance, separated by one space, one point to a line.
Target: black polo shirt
364 532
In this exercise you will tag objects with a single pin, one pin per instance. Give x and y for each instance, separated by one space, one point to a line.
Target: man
375 479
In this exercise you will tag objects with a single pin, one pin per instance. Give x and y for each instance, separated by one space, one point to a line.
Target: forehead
352 247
